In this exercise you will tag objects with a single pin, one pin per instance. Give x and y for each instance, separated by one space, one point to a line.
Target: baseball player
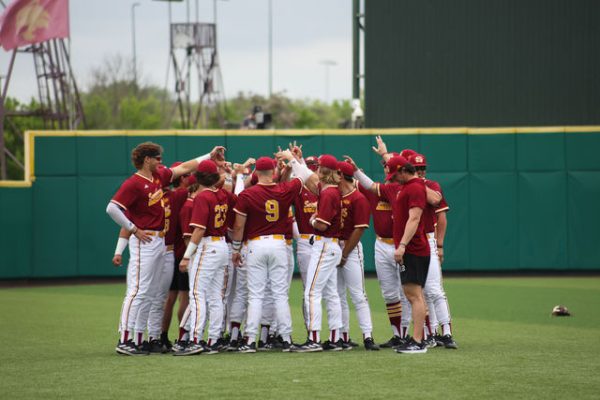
412 248
321 276
350 273
437 302
178 288
262 212
210 258
305 206
141 196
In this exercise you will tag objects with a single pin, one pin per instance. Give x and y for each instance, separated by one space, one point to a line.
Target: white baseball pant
321 282
268 317
145 260
388 275
351 277
267 261
239 303
437 302
157 309
228 289
206 274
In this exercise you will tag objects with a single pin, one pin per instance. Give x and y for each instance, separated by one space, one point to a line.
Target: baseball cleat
328 346
262 346
190 350
412 347
124 348
156 347
131 349
393 342
309 347
233 345
438 340
430 342
448 342
287 347
247 348
351 343
179 345
370 344
343 345
213 349
164 338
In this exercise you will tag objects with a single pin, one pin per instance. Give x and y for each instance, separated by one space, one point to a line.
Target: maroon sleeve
362 212
200 212
184 220
165 175
326 208
126 195
254 179
385 192
294 187
417 197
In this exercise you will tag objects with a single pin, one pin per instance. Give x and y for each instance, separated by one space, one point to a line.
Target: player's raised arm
216 154
310 179
361 177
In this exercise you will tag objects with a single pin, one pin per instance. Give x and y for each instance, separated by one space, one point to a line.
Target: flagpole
2 113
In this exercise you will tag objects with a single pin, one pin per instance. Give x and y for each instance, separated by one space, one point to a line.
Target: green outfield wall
520 199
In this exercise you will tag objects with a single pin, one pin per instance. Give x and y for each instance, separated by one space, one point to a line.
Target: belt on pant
385 240
289 242
430 235
334 240
305 236
265 237
214 238
170 247
155 233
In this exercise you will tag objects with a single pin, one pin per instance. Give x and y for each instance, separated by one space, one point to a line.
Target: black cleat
156 347
343 345
430 342
262 346
125 347
213 349
190 350
351 343
370 344
179 345
247 348
393 342
309 347
233 345
448 342
438 340
287 347
412 347
329 346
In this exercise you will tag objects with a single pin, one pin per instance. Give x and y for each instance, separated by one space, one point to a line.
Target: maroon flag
33 21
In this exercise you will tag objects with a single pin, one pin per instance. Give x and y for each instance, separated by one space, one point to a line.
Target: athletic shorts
180 280
415 269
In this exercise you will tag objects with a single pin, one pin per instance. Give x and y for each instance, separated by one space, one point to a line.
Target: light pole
327 64
133 6
270 48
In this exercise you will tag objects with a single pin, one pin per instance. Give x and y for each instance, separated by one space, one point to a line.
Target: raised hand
350 161
381 148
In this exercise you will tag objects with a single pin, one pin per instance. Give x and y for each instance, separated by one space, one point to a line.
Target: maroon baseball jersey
266 207
329 211
143 199
413 194
382 213
210 212
430 212
173 200
289 233
185 216
305 206
355 213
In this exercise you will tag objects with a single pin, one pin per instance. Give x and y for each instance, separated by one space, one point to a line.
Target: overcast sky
305 32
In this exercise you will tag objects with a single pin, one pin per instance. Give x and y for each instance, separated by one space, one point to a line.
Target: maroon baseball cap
312 162
345 168
328 161
208 166
191 180
175 164
407 153
394 164
264 164
418 160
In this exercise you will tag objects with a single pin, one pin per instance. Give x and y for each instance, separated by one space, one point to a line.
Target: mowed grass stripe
61 345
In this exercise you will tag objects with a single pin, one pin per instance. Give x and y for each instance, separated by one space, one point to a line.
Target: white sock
446 329
235 331
264 333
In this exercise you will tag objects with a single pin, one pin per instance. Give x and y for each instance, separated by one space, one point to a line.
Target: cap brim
390 176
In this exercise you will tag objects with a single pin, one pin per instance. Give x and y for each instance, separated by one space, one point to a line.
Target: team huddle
219 236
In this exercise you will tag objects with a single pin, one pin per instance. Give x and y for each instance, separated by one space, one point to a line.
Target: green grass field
60 344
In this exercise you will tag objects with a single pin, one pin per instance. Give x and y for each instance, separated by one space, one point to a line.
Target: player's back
266 207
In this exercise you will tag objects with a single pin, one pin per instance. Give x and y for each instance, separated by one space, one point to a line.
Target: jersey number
220 215
272 209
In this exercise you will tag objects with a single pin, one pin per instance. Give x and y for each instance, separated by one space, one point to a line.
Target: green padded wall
518 201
